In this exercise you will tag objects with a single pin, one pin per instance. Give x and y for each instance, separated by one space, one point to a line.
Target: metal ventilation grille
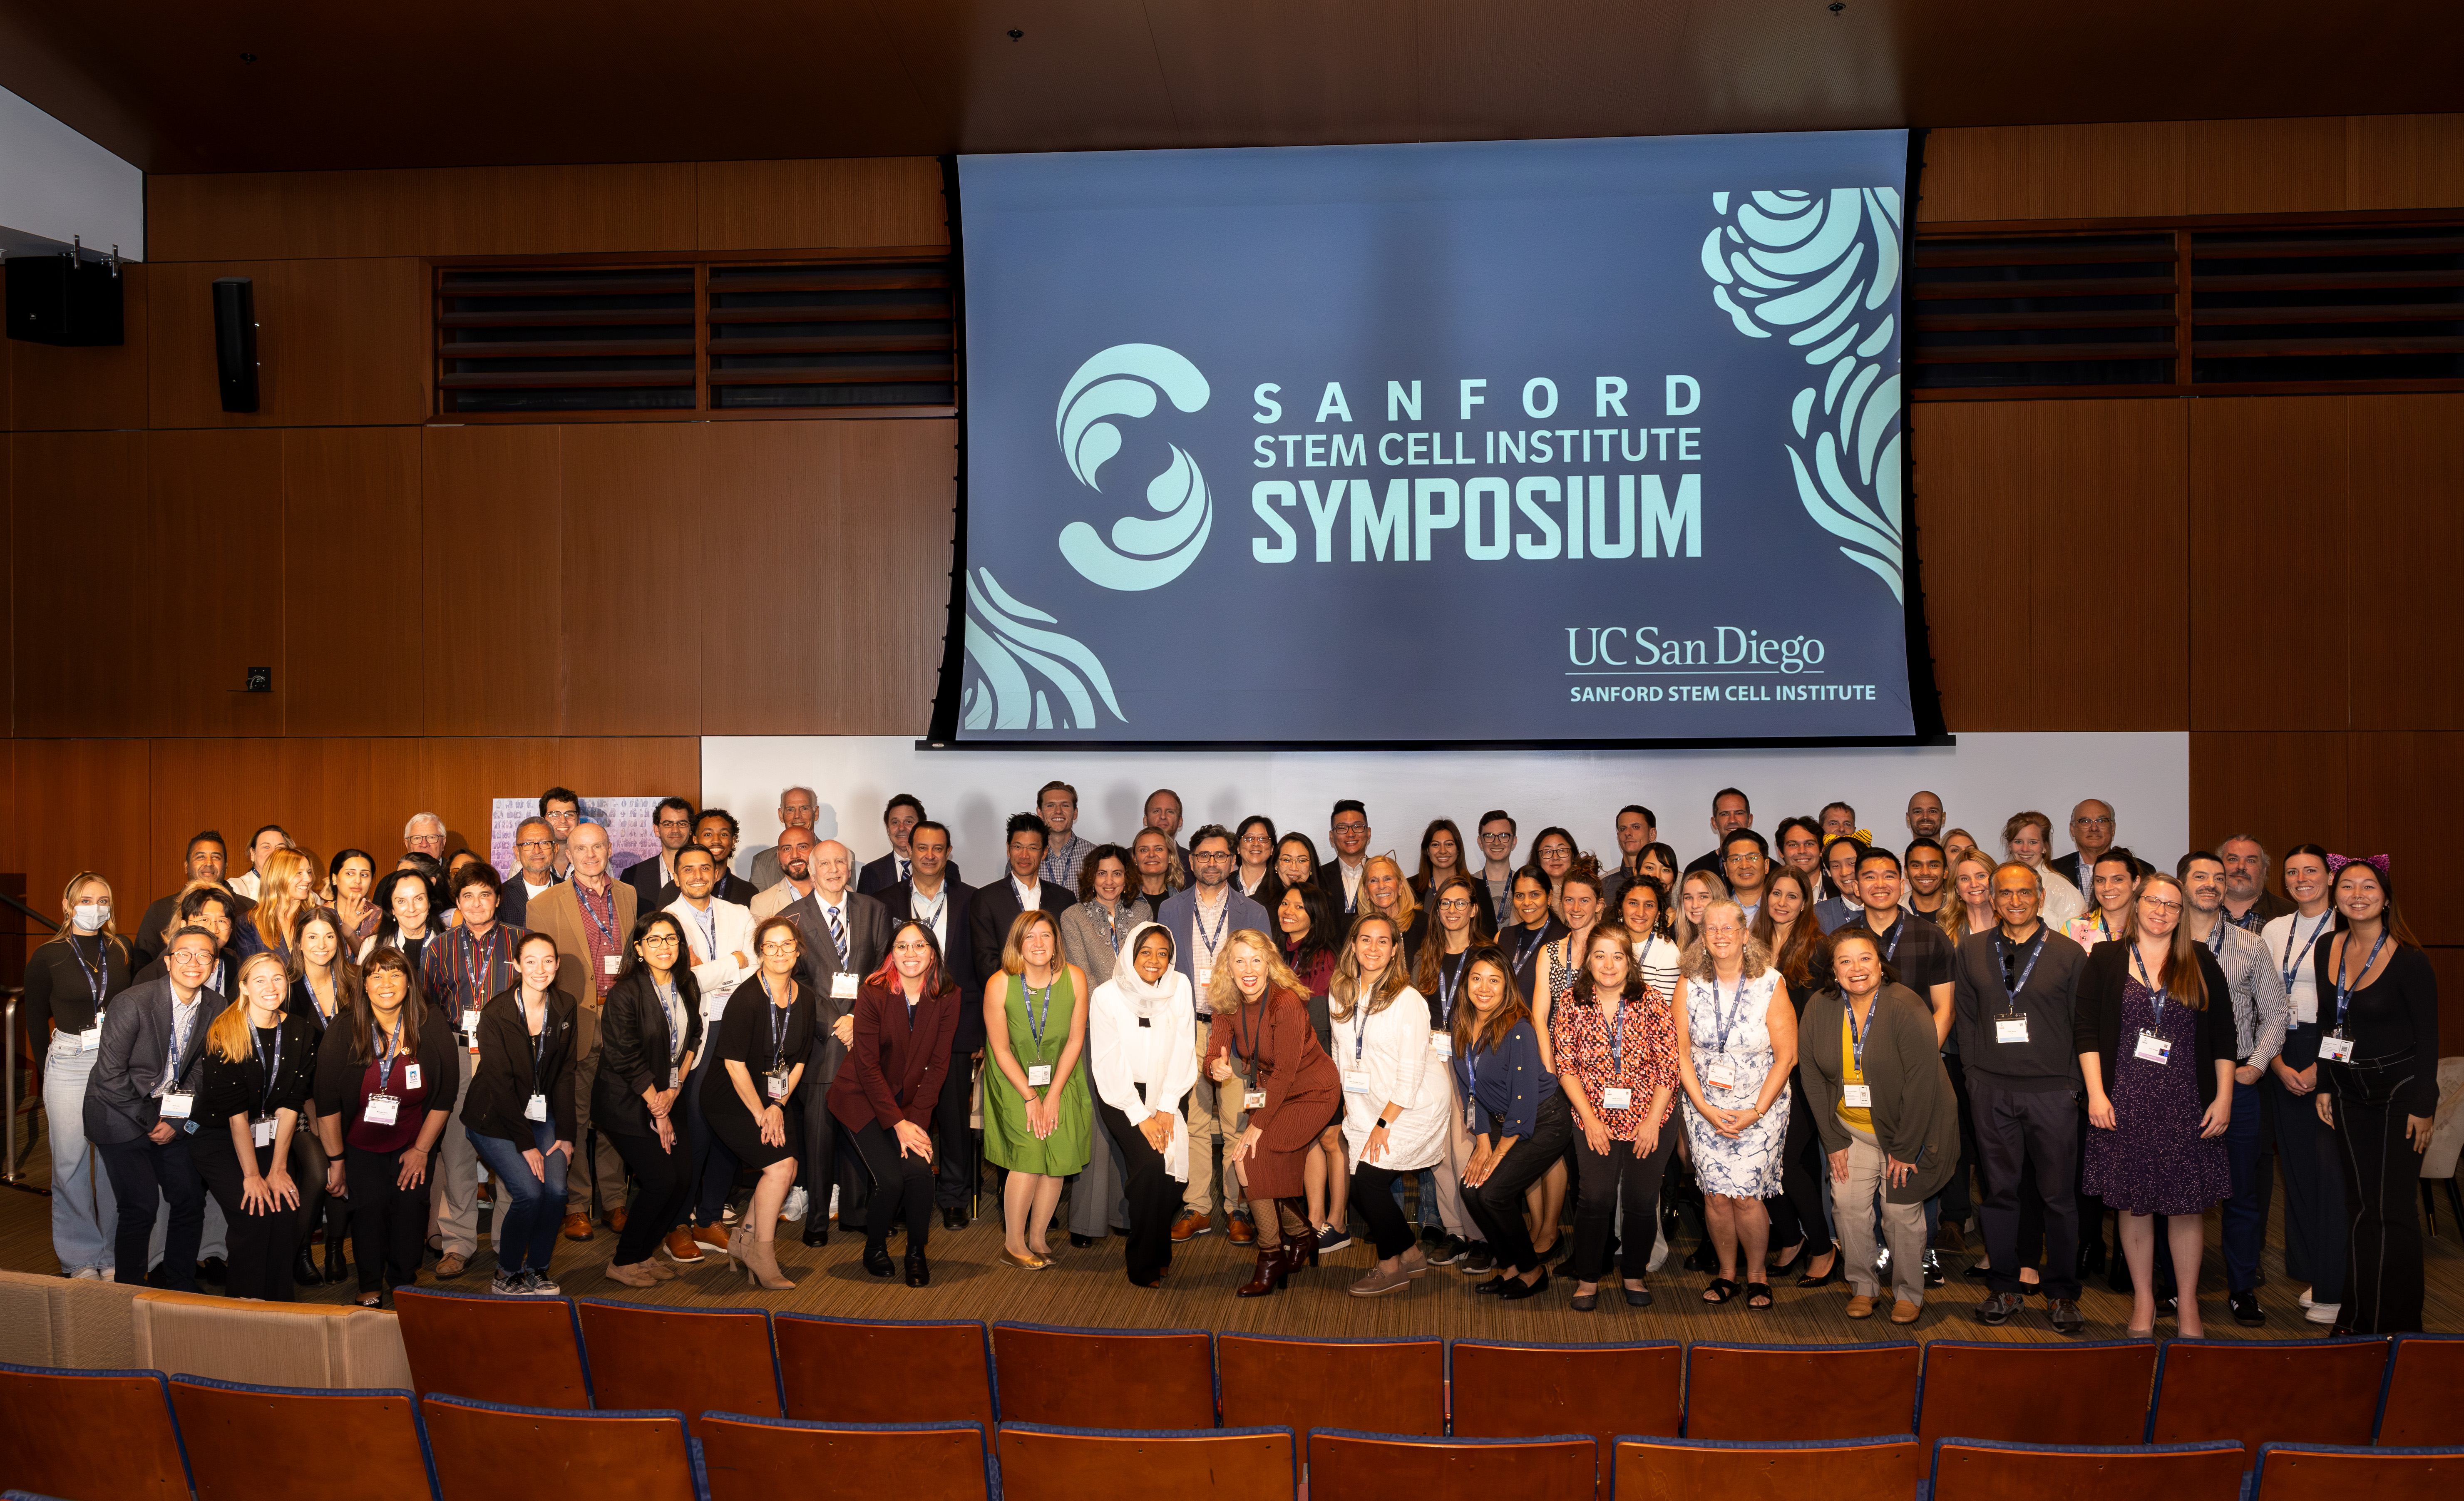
2327 306
2056 311
560 340
846 335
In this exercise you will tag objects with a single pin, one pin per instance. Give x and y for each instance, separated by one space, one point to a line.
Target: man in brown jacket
591 917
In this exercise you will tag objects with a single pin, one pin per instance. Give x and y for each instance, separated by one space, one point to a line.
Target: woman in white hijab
1142 1044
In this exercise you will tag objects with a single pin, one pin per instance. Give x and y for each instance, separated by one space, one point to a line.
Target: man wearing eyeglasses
2091 833
561 808
141 1107
674 821
1201 918
424 834
534 846
1347 831
1745 859
1497 860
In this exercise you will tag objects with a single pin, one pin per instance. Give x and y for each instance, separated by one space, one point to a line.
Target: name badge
2011 1029
777 1085
1443 1043
843 987
410 1075
468 1035
2153 1049
1355 1081
1205 976
1720 1076
1616 1099
263 1131
537 1109
91 1038
384 1110
613 963
1254 1099
176 1104
2336 1050
1856 1096
1037 1076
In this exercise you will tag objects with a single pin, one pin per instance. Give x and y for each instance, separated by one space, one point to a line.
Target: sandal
1758 1291
1721 1290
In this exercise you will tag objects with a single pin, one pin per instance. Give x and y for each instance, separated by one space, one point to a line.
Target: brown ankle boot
760 1259
1300 1236
1268 1277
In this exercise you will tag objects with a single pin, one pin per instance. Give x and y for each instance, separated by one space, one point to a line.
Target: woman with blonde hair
259 1067
1395 1104
1736 1045
70 978
1287 1092
2029 839
288 889
1698 891
1384 890
1971 907
1038 1116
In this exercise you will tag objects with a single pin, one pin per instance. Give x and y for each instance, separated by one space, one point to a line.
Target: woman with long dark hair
2316 1230
1519 1118
520 1114
413 908
324 988
1441 860
1307 933
906 1014
1786 925
649 1032
384 1097
1616 1059
352 875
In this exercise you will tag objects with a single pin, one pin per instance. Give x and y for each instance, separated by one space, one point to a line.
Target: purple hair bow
2376 862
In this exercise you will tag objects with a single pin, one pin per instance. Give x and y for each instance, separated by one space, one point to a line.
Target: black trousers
1154 1195
663 1190
1957 1197
1800 1212
388 1224
140 1171
1496 1205
901 1187
824 1165
258 1248
953 1138
2015 1130
1372 1199
1624 1176
2382 1270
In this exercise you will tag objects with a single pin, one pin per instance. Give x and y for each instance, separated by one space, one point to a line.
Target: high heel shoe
1300 1250
760 1259
1838 1273
1268 1277
303 1269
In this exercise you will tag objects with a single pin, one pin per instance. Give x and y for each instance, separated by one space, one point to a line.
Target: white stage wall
1982 781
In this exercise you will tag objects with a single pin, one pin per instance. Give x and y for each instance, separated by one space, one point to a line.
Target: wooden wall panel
2449 962
2265 166
634 526
2405 162
776 645
552 210
1974 174
853 201
2267 507
2105 171
2408 516
214 216
459 778
2285 788
901 483
351 581
339 341
214 502
2108 504
492 525
2398 777
80 805
83 564
317 789
1973 536
51 387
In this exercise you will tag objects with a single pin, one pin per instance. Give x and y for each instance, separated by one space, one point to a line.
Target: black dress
261 1246
757 1034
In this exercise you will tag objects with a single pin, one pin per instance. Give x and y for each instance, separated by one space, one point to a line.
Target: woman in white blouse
1395 1095
2316 1231
1142 1051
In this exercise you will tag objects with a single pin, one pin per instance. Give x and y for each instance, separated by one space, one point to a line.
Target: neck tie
906 871
838 931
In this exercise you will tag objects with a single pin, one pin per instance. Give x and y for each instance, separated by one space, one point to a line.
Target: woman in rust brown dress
1261 1045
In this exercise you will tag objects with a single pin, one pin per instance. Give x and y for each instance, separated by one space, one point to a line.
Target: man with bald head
798 807
846 935
1925 815
591 917
794 852
2092 830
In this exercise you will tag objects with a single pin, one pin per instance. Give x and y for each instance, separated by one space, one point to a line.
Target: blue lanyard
1616 1042
1058 874
779 1017
1471 1085
1035 1025
1728 1021
2036 952
1539 935
1446 988
1898 930
539 1043
2156 1006
273 1069
673 1009
385 1064
582 900
180 1038
1359 1025
2217 940
2291 941
1857 1036
2344 989
1197 921
98 976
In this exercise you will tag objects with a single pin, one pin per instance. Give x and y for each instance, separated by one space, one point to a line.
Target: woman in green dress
1039 1118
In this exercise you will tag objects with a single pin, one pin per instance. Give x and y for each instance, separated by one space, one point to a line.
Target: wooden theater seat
2036 1394
130 1444
1040 1463
1768 1394
1966 1469
299 1443
1713 1470
1343 1462
2298 1391
1373 1385
482 1447
2332 1472
2424 1381
1105 1378
695 1360
761 1459
934 1371
526 1352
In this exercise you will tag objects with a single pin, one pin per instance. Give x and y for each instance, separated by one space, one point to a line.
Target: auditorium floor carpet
1087 1288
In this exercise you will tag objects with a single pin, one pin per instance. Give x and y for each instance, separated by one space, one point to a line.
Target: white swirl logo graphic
1017 668
1144 552
1816 267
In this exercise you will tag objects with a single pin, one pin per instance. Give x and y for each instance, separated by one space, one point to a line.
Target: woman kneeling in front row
1518 1118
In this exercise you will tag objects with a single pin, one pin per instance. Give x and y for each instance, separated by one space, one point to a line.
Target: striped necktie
838 931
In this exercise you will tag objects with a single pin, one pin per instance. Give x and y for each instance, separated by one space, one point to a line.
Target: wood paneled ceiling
448 82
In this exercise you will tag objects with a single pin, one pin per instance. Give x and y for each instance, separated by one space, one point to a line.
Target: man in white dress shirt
795 882
720 935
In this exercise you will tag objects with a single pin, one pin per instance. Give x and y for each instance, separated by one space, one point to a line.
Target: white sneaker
797 1201
2306 1297
86 1274
2323 1313
1658 1252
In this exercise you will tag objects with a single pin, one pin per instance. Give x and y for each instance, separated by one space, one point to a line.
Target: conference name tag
410 1075
777 1085
1443 1043
1037 1076
1254 1099
2336 1050
1856 1096
263 1131
1616 1099
176 1104
2011 1029
2154 1048
537 1109
1355 1081
1720 1076
843 987
1205 976
91 1038
613 963
384 1110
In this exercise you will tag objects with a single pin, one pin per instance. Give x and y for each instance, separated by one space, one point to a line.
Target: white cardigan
1394 1053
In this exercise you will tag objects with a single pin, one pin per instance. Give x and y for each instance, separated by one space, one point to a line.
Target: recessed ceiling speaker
236 342
64 300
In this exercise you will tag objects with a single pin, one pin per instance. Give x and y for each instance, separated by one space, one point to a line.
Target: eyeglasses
781 947
1497 839
534 844
674 822
1455 904
2159 904
1211 857
1353 828
660 940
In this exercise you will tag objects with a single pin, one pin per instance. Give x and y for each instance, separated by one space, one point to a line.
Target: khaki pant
1204 1130
1853 1204
454 1187
1449 1171
604 1165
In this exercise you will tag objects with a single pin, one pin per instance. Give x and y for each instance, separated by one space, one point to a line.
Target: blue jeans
537 1207
2245 1213
1427 1179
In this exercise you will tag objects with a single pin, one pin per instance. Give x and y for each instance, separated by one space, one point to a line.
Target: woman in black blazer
905 1017
384 1090
648 1036
519 1115
324 985
257 1068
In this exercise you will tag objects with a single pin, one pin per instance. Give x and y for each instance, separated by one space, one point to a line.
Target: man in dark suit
1730 811
533 848
674 819
139 1108
1346 834
941 902
1022 886
847 935
899 820
205 861
2091 833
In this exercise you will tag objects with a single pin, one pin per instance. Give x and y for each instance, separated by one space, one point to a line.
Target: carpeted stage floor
1087 1288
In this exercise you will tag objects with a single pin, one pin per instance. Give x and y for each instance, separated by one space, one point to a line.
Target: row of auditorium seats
114 1435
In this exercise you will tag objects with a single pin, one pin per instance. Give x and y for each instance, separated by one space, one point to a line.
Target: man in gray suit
797 809
846 934
139 1108
1201 918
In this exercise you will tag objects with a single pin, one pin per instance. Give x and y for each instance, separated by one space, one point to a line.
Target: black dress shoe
877 1261
1082 1241
820 1236
2245 1308
954 1217
335 1263
918 1275
214 1269
303 1269
1496 1284
1516 1290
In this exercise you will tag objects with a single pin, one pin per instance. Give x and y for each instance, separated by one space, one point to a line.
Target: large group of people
1845 1056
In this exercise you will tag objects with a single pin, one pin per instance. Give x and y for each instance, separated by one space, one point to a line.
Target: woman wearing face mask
1394 1098
353 874
1534 928
1616 1060
2155 1034
258 1066
750 1103
649 1031
2028 838
1383 891
906 1015
324 986
384 1094
519 1115
2114 883
1142 1053
1262 1046
409 900
1092 935
1736 1037
1518 1118
70 978
1787 927
2317 1228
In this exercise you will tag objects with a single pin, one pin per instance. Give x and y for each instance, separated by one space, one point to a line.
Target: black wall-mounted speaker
63 300
236 342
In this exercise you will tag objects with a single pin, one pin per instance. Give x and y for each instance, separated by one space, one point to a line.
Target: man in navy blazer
1201 918
674 819
939 901
534 851
899 820
138 1108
